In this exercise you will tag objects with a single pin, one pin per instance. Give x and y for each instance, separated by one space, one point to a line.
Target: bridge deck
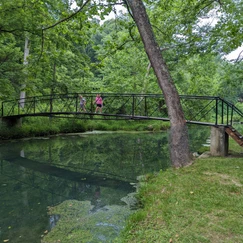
102 116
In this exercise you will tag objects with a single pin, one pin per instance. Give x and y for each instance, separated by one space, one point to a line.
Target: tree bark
179 142
22 92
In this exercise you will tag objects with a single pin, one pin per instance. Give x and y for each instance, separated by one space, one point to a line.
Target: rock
204 155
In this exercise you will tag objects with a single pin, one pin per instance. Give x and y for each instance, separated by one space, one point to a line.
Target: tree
60 14
179 142
61 50
57 60
199 75
10 67
124 62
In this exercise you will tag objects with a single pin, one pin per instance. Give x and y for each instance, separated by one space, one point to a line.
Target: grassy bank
199 203
44 126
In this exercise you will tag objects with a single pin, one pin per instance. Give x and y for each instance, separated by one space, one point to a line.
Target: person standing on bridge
82 103
99 103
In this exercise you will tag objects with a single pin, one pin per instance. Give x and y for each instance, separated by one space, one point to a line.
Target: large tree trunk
179 142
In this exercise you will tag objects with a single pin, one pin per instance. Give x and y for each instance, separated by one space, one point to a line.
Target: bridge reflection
87 176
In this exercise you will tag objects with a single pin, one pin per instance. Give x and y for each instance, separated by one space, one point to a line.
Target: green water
76 188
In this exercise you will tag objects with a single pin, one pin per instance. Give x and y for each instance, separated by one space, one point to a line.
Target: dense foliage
74 48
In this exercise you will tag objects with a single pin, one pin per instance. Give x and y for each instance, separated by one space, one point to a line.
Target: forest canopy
63 46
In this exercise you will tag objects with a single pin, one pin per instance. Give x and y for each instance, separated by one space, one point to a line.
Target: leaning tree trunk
179 142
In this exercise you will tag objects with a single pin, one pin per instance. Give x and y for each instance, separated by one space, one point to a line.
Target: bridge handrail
110 94
237 110
215 109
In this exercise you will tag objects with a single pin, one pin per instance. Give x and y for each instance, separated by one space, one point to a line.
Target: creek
77 188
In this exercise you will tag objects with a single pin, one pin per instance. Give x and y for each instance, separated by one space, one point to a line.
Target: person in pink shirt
99 103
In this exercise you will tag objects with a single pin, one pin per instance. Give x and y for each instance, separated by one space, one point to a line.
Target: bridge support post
11 122
219 141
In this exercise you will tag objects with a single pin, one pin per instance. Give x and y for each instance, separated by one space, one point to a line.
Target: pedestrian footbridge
202 110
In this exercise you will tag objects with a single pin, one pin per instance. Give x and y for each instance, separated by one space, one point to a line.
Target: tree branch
57 23
128 9
67 18
239 58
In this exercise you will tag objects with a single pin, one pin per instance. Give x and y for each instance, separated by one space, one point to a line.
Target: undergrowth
43 126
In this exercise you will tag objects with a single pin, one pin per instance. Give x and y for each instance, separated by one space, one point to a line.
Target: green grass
234 148
199 203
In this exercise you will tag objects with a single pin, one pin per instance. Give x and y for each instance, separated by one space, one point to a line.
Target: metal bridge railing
114 104
210 109
197 109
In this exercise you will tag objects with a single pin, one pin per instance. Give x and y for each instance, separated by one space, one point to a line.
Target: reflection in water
92 173
53 220
96 200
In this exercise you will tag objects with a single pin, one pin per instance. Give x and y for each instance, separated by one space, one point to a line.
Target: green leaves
90 55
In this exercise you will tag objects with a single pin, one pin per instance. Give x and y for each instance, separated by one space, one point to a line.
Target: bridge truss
204 110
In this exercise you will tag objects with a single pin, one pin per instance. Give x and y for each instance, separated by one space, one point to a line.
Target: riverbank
199 203
45 127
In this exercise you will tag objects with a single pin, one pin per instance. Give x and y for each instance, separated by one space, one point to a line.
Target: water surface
76 188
